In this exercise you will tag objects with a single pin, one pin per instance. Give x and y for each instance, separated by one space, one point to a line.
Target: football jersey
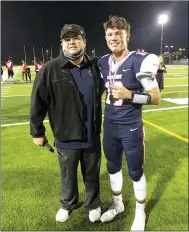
24 67
39 66
9 65
36 66
137 73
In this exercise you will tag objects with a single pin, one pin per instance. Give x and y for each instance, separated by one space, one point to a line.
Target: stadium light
162 20
169 47
182 49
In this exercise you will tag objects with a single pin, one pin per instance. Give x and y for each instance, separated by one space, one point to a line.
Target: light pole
24 53
34 58
93 53
162 20
43 55
47 51
51 53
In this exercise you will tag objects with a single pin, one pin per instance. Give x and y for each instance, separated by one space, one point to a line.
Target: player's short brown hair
119 23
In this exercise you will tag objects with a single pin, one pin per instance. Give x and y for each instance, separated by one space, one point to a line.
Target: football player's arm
146 76
154 96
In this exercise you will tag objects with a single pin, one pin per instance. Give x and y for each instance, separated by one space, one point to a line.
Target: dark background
39 24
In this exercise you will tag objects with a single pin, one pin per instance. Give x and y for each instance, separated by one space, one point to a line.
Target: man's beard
74 56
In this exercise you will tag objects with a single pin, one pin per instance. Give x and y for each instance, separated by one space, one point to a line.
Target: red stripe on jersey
143 139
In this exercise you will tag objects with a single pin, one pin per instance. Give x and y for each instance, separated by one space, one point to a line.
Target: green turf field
31 177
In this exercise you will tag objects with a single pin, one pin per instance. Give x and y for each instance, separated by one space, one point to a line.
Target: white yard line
14 85
175 74
172 86
180 74
167 86
150 110
18 124
17 96
166 108
175 78
28 84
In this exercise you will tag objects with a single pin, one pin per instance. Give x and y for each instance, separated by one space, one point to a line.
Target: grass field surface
31 176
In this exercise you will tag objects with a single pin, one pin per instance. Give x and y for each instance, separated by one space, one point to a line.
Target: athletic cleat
62 215
95 214
139 221
116 208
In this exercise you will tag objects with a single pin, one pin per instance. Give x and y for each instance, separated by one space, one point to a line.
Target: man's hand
40 141
120 92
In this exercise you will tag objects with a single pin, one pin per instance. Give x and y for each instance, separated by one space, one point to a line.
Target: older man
69 89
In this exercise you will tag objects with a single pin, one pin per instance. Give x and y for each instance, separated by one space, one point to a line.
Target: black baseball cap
73 27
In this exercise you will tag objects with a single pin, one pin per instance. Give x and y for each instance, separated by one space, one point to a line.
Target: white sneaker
62 215
116 208
95 214
139 221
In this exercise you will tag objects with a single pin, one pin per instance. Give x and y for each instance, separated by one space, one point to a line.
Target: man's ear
85 42
61 43
128 37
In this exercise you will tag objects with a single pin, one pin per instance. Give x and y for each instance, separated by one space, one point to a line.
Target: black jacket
55 92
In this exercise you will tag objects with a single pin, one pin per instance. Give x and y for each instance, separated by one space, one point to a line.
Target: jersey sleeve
146 70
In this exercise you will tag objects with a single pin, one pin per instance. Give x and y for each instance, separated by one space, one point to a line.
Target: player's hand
40 141
120 92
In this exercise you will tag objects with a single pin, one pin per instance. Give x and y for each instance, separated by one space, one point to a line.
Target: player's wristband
140 98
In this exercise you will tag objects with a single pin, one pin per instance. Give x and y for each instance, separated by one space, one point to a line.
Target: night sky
39 24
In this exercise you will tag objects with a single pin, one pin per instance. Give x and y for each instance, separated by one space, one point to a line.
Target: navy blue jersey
136 72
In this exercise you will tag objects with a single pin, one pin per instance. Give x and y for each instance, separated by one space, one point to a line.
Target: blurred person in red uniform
40 65
9 66
25 71
24 67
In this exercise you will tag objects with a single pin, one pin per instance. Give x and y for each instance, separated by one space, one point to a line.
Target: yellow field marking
166 131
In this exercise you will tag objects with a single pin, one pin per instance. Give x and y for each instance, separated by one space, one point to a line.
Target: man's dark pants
90 160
